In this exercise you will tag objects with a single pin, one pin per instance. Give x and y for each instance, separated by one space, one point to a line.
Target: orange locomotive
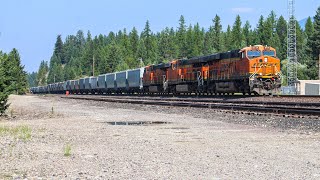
254 69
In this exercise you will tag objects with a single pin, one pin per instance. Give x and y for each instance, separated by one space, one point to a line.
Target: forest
83 55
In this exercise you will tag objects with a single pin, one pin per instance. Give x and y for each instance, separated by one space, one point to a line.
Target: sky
31 26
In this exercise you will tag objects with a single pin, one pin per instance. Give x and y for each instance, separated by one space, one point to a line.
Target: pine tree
282 34
87 57
55 70
314 48
260 31
150 43
228 39
4 91
306 57
16 74
58 49
134 42
42 73
114 58
237 37
198 38
268 29
167 46
309 29
181 37
208 43
216 36
247 33
315 39
190 42
32 79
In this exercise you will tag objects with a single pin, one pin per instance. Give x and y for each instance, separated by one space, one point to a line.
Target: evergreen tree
309 29
314 47
247 34
114 59
134 42
32 79
282 34
4 91
55 70
306 57
190 42
167 47
269 29
142 50
16 74
216 36
87 57
151 54
42 74
260 31
228 39
237 37
315 39
208 43
181 37
198 40
58 49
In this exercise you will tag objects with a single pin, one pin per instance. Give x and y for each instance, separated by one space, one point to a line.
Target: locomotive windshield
269 53
252 54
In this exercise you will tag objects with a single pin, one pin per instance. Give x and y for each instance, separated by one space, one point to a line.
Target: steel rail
232 107
225 101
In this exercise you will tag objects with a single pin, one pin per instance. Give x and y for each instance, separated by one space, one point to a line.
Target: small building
309 87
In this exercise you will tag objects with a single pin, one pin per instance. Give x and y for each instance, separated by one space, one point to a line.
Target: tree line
82 55
13 78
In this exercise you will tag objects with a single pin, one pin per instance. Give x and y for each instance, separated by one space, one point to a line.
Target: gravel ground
193 144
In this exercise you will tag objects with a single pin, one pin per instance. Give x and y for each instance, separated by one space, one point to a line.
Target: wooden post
93 66
319 66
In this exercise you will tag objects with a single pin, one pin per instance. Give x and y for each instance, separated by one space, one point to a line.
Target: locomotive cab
264 69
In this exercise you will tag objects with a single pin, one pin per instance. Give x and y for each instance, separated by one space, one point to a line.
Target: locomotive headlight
265 59
260 74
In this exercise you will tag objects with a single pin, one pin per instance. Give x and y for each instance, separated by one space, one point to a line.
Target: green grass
20 132
67 150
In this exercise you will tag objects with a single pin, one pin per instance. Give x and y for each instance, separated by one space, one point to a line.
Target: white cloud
242 10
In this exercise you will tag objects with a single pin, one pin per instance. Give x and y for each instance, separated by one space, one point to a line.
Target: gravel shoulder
193 144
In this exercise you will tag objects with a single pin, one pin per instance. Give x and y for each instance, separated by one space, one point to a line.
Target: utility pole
319 65
140 59
292 49
93 65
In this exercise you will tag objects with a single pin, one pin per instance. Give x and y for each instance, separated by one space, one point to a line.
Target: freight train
251 70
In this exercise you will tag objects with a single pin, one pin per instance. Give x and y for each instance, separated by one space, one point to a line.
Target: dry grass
20 132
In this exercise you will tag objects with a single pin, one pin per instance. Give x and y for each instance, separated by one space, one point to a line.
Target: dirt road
49 137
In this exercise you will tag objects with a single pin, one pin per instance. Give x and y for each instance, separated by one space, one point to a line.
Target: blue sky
31 26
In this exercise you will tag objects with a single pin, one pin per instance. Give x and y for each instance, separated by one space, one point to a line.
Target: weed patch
19 132
67 150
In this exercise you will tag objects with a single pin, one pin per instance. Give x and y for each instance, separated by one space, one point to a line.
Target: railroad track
297 109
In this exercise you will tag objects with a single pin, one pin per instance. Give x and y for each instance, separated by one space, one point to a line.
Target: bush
3 103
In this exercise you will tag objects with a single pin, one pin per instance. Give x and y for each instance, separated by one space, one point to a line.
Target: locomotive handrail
256 71
279 73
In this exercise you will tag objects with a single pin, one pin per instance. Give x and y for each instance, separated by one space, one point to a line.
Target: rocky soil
46 137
